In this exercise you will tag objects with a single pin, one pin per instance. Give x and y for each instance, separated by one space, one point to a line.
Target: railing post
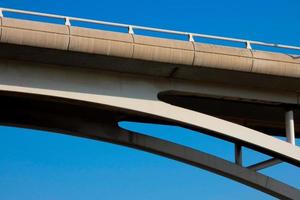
67 21
130 30
248 45
191 38
289 126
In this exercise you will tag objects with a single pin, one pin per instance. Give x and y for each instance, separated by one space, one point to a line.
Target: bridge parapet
100 42
37 34
221 57
189 53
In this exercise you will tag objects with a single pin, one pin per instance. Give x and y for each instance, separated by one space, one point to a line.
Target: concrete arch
131 90
100 123
136 95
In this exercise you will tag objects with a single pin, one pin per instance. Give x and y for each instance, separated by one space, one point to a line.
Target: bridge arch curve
99 122
44 85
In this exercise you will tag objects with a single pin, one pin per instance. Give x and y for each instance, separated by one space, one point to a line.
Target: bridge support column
289 125
238 154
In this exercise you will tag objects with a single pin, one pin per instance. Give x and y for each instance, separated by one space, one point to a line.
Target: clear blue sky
40 165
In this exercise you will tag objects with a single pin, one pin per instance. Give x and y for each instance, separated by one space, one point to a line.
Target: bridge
83 82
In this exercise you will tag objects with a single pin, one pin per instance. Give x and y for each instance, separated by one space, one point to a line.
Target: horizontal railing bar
33 13
99 22
135 27
160 30
276 45
219 38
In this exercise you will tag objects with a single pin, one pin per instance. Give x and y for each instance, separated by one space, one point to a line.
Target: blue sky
41 165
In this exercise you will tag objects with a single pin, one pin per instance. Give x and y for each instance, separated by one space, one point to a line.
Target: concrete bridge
82 82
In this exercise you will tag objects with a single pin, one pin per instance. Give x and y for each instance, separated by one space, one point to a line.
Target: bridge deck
274 75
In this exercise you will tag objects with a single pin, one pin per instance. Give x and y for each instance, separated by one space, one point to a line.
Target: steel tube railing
131 28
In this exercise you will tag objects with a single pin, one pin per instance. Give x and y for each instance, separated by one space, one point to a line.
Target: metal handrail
131 28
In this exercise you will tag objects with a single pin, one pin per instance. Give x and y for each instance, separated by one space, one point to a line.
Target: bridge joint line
131 29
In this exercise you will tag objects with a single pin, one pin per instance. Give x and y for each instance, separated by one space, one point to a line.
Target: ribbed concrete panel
276 57
276 64
163 50
101 42
223 57
23 32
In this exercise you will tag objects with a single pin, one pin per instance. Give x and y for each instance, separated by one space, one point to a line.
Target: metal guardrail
131 28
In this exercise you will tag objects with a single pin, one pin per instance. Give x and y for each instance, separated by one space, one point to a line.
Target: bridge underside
100 122
255 101
267 118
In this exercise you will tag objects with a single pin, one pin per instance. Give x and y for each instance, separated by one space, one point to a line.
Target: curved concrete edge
88 123
46 35
183 117
134 94
213 164
200 160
